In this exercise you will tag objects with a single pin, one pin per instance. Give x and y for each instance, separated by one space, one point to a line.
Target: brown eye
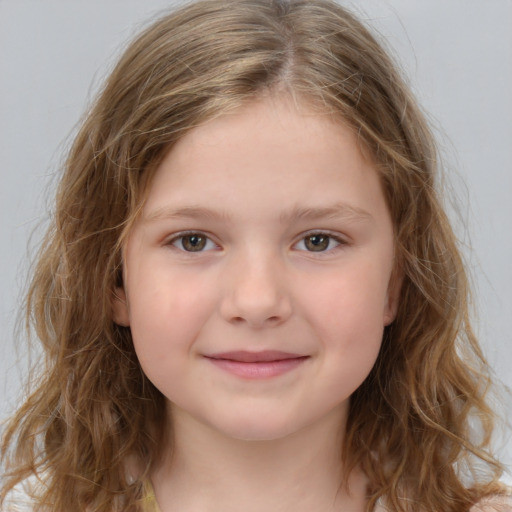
193 243
318 242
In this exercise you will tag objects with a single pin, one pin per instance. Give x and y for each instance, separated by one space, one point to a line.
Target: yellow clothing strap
150 504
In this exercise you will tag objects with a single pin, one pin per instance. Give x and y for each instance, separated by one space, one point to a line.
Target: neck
209 471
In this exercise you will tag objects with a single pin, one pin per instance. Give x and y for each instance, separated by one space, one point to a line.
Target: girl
250 297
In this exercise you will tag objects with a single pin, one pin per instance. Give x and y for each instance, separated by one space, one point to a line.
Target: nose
255 292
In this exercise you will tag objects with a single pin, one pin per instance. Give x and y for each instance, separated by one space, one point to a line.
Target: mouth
257 365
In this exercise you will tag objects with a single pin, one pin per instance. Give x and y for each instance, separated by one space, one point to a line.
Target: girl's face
257 281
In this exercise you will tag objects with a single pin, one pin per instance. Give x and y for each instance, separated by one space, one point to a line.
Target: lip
257 365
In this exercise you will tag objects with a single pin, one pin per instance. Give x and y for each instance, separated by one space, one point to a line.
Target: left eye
317 242
193 242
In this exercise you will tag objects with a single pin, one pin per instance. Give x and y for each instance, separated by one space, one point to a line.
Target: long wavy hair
93 410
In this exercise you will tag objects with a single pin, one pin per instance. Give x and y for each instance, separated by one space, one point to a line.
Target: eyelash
330 236
175 240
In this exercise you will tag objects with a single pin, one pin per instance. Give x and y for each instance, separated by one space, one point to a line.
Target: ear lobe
121 315
393 298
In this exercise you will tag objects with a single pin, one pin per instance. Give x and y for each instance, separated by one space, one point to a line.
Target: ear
393 297
120 310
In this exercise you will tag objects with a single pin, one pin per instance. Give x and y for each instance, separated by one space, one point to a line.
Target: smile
257 365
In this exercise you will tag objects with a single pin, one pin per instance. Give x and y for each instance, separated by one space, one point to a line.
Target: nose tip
256 297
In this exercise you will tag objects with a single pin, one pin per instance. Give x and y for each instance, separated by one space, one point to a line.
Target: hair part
94 409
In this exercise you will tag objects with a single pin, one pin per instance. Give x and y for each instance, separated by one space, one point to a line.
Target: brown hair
94 409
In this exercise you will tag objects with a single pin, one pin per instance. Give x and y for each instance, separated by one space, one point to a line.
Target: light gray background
457 54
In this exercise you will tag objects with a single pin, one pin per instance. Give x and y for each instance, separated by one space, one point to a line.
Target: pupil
193 243
317 242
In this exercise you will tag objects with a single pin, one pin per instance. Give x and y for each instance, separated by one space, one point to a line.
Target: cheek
346 312
166 315
353 300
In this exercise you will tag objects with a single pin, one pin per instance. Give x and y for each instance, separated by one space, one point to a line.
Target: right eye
193 242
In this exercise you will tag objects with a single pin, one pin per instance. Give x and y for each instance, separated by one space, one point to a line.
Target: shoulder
497 503
19 499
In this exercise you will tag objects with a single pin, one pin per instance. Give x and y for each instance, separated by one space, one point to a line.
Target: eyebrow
186 212
337 210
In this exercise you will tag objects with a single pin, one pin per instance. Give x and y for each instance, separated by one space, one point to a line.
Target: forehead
272 119
269 153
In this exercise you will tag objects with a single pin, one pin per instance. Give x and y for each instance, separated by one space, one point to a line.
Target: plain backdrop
456 53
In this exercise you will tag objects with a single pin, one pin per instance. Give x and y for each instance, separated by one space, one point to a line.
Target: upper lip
263 356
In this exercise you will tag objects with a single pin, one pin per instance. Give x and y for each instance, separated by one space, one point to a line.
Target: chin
258 429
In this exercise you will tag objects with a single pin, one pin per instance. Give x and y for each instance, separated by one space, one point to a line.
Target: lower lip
258 370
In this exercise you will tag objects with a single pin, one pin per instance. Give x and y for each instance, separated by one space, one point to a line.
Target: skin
260 186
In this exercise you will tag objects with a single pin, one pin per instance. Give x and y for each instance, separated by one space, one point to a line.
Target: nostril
270 320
